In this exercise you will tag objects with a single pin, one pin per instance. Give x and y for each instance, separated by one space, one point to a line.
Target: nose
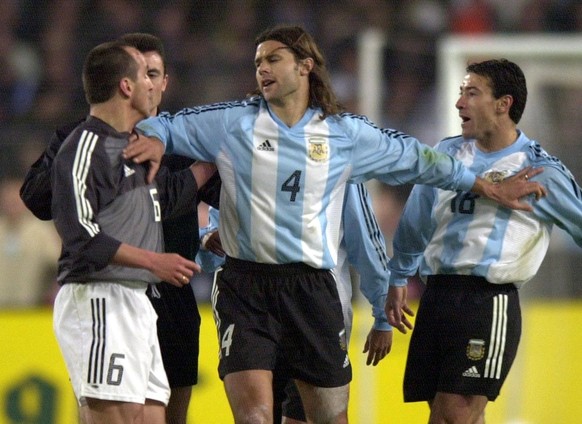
262 67
459 103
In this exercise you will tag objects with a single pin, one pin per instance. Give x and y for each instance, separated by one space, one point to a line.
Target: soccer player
362 246
474 254
109 220
178 317
284 157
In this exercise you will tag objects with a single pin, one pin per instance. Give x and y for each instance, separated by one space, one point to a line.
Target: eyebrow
272 53
466 88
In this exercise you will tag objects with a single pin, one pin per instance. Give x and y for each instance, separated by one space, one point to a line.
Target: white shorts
108 338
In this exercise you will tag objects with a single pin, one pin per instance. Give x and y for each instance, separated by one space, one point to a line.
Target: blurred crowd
210 51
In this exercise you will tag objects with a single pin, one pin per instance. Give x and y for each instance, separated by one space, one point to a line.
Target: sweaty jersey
444 232
100 200
283 188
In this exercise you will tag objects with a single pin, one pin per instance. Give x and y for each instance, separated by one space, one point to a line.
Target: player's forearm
483 188
133 257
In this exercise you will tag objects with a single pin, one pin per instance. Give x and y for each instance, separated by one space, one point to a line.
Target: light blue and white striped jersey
362 246
283 188
444 232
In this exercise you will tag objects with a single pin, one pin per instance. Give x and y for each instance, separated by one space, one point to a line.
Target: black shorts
291 312
465 338
178 332
286 399
292 406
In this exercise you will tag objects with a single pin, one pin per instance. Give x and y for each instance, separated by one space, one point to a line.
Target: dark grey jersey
101 200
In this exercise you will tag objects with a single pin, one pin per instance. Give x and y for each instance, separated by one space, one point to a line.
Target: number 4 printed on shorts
226 339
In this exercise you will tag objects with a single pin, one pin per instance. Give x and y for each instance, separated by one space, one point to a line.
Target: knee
329 417
457 409
331 406
255 415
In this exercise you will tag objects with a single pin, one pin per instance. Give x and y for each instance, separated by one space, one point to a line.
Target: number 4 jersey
283 187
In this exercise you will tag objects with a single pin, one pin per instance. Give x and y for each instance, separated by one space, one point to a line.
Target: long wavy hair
303 46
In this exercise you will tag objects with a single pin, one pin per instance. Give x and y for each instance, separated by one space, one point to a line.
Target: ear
165 83
306 66
504 104
125 87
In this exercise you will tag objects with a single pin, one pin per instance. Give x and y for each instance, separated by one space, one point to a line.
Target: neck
498 141
290 109
119 116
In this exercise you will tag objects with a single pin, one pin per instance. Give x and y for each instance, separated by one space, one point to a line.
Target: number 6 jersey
101 200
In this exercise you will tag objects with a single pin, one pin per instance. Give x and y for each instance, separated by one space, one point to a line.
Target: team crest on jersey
475 349
495 176
318 149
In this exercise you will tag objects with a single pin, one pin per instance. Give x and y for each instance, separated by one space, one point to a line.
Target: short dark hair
145 43
104 67
303 46
506 78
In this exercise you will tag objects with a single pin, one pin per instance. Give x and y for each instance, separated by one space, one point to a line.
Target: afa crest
475 349
318 149
495 176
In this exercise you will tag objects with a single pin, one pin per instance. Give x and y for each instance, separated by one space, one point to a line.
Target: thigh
247 333
454 408
250 394
314 331
324 404
177 410
99 411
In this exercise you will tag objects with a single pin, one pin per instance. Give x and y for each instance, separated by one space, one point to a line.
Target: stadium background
389 59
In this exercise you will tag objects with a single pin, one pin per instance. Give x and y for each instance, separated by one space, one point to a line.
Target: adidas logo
346 361
472 372
266 146
128 171
155 292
